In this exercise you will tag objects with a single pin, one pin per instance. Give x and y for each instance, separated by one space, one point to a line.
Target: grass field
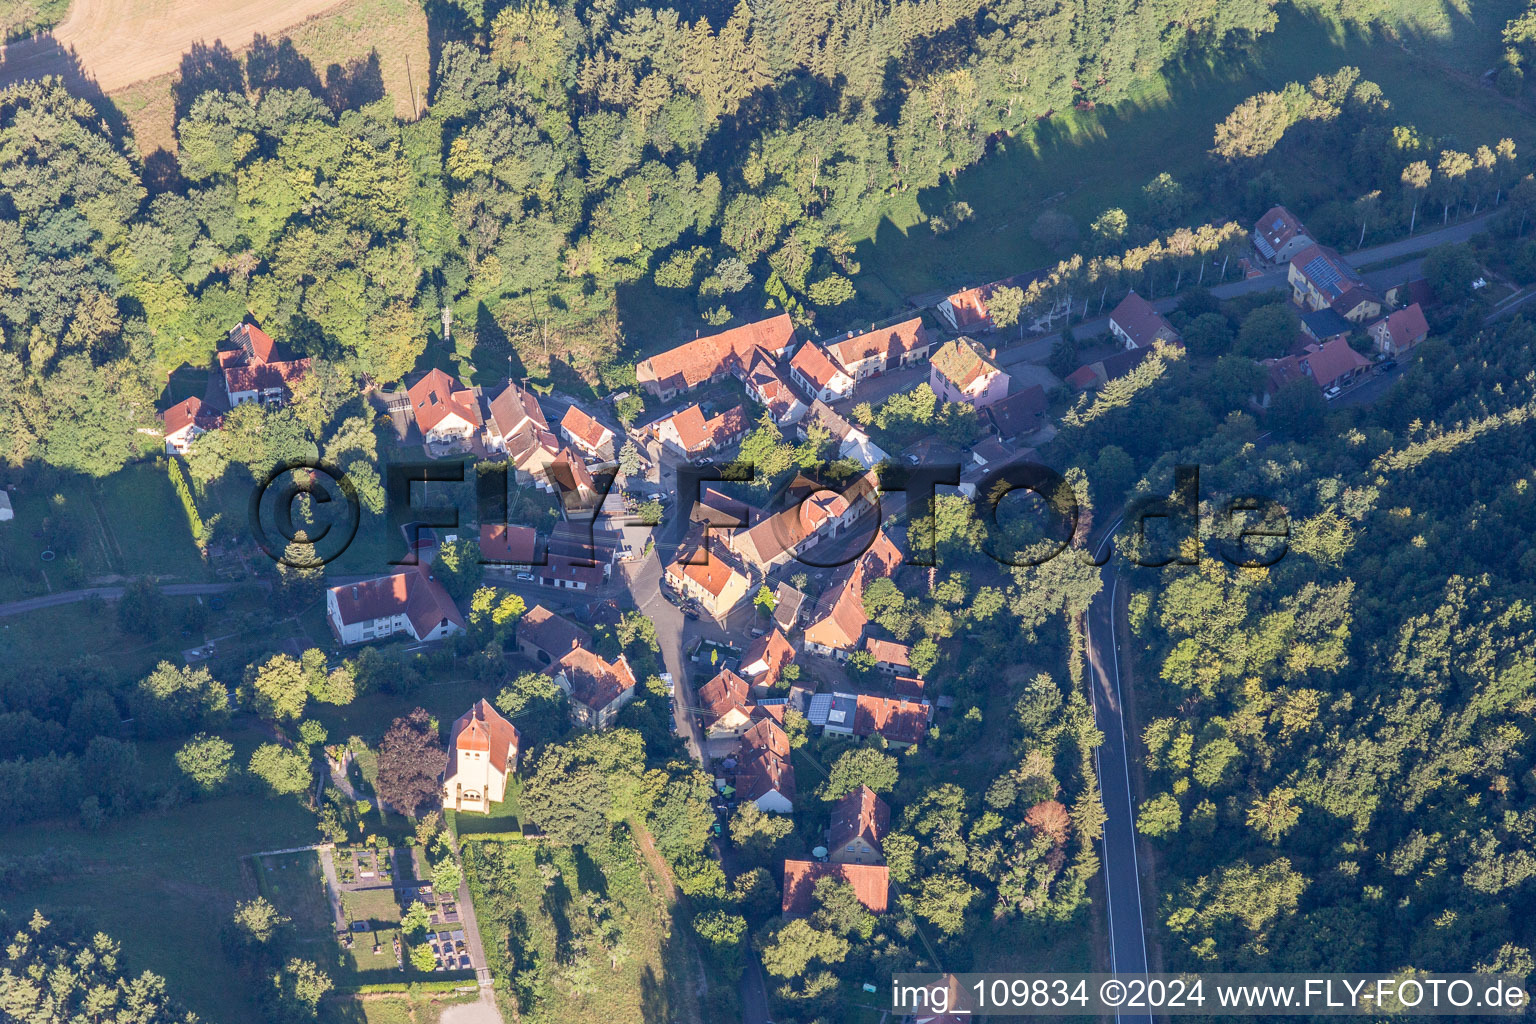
506 816
1086 162
558 925
164 885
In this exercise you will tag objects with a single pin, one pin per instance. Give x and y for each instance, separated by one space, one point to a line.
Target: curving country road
1122 872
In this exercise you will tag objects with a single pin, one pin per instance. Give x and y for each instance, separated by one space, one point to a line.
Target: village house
871 884
544 637
1398 331
482 752
880 349
909 687
597 688
818 375
1278 235
966 311
963 371
510 414
1020 413
1333 364
689 434
890 657
587 435
812 516
860 822
765 775
837 626
765 659
530 452
714 510
1320 278
185 422
787 602
448 416
409 601
1138 325
257 369
901 722
726 708
1104 370
579 558
571 481
852 443
715 357
509 547
1325 325
706 576
768 388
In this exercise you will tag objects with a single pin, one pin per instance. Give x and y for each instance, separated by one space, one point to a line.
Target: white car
525 577
1332 393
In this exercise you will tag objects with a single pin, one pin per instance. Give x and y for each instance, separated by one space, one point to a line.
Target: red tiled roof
1404 327
766 734
765 771
871 883
435 397
1278 227
1333 360
814 366
263 376
584 428
501 542
970 306
549 631
900 720
860 814
482 728
257 342
888 652
774 649
1082 378
594 681
1145 325
890 342
691 364
186 413
412 592
714 574
512 407
722 693
569 473
910 687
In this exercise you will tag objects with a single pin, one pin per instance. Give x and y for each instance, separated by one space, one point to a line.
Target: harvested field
134 51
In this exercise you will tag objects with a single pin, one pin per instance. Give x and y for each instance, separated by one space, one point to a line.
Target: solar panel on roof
816 712
1265 249
1324 274
1278 225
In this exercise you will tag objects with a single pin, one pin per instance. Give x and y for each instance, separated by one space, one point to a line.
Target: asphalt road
1122 872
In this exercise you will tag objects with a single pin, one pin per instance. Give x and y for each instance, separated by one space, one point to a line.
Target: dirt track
119 42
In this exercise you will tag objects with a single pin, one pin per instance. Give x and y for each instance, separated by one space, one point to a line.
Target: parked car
1390 364
1332 392
525 577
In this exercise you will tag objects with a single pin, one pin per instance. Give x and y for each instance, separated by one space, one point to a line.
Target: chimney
354 591
575 643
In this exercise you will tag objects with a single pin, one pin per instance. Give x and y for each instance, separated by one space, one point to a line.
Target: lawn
552 930
1086 162
377 905
164 885
295 885
506 816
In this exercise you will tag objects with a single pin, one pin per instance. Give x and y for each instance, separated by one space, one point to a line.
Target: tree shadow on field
358 84
206 68
280 65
